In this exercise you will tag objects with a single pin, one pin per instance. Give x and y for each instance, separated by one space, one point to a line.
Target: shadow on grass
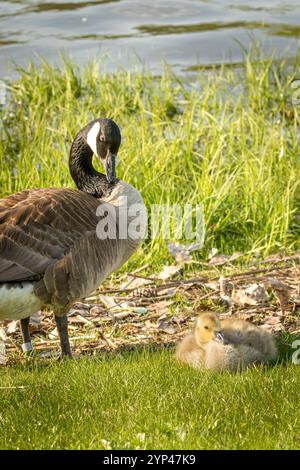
126 351
34 360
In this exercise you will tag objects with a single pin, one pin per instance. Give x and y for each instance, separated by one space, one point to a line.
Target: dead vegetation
137 310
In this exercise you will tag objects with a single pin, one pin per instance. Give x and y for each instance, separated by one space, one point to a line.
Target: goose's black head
104 138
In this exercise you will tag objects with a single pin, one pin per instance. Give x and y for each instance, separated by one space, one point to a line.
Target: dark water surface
185 32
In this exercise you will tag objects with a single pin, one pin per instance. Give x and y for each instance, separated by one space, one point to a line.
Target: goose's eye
206 327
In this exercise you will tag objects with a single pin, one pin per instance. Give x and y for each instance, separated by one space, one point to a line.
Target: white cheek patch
92 137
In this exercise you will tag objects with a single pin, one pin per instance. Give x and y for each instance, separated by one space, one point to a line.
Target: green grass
146 400
227 139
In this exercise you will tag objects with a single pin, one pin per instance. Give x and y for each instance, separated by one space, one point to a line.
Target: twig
138 276
138 270
279 260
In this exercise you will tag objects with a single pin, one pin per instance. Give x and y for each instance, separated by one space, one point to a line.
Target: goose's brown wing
39 227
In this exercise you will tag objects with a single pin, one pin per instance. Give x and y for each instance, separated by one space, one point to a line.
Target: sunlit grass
144 399
226 140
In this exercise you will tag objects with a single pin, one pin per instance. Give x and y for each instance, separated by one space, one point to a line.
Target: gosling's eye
206 327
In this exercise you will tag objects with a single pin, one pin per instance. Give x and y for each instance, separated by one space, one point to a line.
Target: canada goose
51 252
229 344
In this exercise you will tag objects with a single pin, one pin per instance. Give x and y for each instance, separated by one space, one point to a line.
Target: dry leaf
2 334
112 305
213 285
12 327
272 323
169 271
167 328
133 282
181 252
252 294
219 260
277 284
161 307
235 256
281 291
53 334
272 320
150 325
168 292
96 310
2 353
109 302
79 319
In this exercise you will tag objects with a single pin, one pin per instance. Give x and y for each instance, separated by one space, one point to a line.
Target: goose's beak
219 337
110 167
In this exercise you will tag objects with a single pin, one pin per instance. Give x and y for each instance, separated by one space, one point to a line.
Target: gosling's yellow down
229 344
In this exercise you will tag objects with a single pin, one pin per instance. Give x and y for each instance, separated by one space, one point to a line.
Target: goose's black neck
85 176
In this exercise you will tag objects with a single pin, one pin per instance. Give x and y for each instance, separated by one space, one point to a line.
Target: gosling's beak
219 337
110 167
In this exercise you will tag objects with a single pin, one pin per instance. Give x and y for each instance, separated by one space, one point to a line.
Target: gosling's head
208 328
103 136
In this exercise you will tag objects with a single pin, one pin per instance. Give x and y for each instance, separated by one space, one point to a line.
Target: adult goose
58 244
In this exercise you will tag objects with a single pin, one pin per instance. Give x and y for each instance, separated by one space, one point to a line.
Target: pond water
186 33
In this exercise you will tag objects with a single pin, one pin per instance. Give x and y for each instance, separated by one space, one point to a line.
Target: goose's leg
62 328
27 345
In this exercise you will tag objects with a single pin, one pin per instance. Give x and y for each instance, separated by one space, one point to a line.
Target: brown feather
49 236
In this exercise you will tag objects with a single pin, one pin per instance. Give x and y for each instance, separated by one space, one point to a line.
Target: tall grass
225 139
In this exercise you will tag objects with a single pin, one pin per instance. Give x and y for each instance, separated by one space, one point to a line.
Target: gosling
229 344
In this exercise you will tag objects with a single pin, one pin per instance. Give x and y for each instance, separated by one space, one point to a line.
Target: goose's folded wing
38 227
